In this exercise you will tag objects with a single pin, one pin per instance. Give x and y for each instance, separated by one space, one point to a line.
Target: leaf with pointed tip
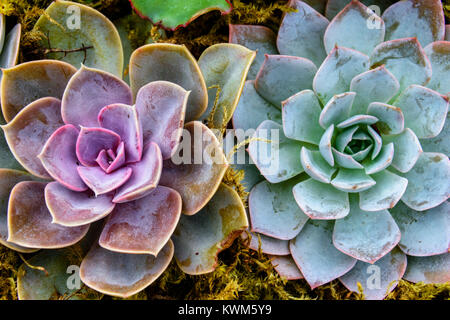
273 210
352 180
378 85
173 14
161 108
393 266
252 109
59 158
440 143
199 238
280 77
93 140
41 78
345 160
423 19
357 120
123 120
101 182
337 71
423 233
144 225
87 92
366 236
337 109
429 182
439 55
145 176
72 209
122 274
225 67
433 269
258 38
35 284
8 179
276 156
344 138
350 29
385 194
391 119
320 200
300 116
286 267
382 161
325 145
30 223
407 150
405 59
315 165
267 245
175 64
377 141
333 7
301 33
195 179
92 29
425 110
315 255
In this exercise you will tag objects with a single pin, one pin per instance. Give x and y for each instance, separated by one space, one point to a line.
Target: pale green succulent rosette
351 142
101 180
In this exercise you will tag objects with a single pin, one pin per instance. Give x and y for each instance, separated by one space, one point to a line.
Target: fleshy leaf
10 53
440 143
122 274
392 267
405 59
425 110
385 194
175 64
300 116
337 71
333 7
344 138
101 182
366 236
315 255
315 166
286 267
378 85
378 142
429 182
28 132
352 180
225 67
280 77
276 156
350 29
301 33
197 246
123 120
39 79
173 14
73 26
88 92
144 225
382 161
71 209
423 233
195 181
433 269
407 150
252 109
258 38
59 158
8 179
145 177
337 109
161 108
274 212
439 55
346 160
423 19
30 223
391 119
325 145
320 200
93 140
267 245
357 119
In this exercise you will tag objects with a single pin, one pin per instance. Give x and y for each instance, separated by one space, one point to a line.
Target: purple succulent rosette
94 147
352 143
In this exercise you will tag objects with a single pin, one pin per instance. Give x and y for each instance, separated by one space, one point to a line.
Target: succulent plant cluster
351 143
88 146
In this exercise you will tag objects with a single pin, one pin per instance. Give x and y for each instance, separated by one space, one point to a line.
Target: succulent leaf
101 182
440 143
391 119
267 245
325 145
286 267
337 109
382 161
407 150
352 180
93 140
439 55
9 53
433 269
315 166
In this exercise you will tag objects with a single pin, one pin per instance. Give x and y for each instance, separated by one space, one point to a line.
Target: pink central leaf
101 182
93 140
